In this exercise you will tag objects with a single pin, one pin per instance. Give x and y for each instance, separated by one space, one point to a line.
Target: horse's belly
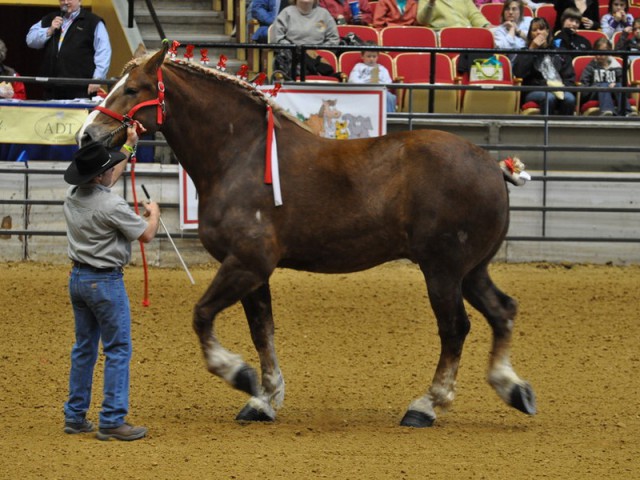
343 256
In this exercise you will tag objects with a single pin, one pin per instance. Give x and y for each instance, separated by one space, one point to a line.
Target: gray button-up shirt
100 226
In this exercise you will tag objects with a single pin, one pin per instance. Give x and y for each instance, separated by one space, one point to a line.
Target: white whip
184 265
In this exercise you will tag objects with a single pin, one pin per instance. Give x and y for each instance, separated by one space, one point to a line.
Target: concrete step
180 32
189 22
141 5
183 17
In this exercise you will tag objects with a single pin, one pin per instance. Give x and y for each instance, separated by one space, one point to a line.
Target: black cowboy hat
90 161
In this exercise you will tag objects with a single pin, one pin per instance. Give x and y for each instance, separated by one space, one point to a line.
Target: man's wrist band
128 148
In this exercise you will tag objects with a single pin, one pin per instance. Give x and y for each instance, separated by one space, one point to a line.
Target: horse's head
139 96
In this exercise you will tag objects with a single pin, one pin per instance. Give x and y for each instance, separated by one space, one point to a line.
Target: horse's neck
209 124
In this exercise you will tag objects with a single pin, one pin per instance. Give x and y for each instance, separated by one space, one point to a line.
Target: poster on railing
41 123
332 112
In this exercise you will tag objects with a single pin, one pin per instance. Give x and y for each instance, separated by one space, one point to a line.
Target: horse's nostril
85 138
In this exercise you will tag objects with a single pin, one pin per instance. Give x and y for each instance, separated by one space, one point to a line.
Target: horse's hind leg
500 311
257 307
445 295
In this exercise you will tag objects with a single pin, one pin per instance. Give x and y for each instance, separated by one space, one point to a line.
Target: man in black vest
76 45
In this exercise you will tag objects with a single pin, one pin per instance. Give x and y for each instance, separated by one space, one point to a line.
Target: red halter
128 118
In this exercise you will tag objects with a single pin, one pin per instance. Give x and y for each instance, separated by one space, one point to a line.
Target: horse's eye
130 91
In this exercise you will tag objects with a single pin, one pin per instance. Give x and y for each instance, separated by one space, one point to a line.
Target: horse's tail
513 171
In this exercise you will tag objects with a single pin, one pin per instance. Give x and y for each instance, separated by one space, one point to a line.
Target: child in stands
630 39
568 38
617 18
370 71
606 72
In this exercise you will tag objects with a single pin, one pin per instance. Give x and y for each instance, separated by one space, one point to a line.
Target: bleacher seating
364 32
591 107
413 36
415 68
548 12
465 37
490 101
592 35
634 79
332 60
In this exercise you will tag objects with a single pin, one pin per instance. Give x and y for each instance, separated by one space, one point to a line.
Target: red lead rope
145 300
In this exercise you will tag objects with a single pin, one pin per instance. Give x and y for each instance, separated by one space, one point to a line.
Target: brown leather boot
124 432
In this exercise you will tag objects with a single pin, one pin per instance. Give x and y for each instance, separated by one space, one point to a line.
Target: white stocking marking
223 363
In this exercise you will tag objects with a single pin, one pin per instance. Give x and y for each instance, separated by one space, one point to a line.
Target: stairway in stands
188 21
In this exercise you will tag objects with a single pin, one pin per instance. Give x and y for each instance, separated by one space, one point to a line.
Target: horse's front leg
445 296
257 307
233 282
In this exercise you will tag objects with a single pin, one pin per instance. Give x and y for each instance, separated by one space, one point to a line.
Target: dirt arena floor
354 350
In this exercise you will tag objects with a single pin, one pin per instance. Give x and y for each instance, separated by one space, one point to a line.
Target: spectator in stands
512 32
265 13
529 3
304 22
606 72
450 13
340 10
617 18
14 90
589 13
76 45
544 69
395 12
568 38
369 71
630 39
100 229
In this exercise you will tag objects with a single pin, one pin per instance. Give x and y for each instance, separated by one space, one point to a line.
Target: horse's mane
242 85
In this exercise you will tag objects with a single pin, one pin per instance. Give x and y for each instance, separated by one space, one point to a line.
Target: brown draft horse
349 205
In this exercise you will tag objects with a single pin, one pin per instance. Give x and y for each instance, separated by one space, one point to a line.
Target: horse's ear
155 62
141 51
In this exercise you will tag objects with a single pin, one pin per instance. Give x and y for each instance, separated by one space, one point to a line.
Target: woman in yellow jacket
450 13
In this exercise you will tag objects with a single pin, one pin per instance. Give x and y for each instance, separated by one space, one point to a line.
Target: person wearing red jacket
14 90
341 12
395 13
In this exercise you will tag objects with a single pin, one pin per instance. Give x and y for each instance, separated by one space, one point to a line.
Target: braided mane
217 74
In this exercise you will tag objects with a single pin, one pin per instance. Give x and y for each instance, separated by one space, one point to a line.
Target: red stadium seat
364 32
412 36
416 68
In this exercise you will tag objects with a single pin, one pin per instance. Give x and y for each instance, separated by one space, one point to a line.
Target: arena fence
586 209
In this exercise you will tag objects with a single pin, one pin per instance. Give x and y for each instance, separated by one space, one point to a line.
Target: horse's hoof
246 380
416 419
251 414
522 398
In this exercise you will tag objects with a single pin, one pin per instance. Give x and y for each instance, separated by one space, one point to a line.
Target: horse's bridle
127 119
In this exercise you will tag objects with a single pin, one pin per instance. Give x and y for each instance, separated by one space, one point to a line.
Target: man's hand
56 24
151 209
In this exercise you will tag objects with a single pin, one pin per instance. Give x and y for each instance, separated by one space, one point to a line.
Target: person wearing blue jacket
265 12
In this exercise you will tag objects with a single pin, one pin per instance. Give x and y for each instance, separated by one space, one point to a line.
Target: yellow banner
39 125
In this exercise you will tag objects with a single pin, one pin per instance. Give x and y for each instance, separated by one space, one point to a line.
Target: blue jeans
555 105
608 100
391 101
101 308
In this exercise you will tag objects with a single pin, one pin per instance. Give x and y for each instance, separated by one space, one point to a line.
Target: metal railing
411 117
